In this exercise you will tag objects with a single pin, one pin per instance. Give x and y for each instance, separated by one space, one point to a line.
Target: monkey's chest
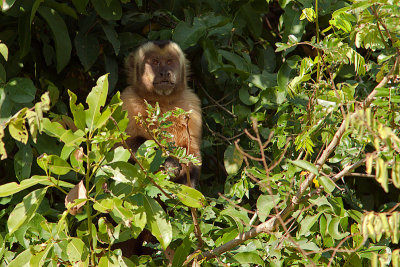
177 127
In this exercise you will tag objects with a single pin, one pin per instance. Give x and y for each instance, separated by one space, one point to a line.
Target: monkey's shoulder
186 100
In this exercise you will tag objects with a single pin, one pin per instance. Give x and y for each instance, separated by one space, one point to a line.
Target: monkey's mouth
164 87
163 83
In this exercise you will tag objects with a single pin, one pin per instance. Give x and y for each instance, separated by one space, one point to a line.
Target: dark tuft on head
161 43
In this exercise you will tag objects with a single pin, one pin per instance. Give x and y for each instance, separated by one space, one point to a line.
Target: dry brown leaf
78 154
78 192
169 254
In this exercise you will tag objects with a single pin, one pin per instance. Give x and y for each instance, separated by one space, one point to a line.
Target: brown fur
157 73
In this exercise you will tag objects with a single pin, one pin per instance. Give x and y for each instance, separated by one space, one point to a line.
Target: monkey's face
161 72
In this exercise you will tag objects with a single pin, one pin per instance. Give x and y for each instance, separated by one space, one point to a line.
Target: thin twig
216 102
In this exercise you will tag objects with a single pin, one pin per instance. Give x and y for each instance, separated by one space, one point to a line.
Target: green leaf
44 180
283 76
24 211
22 259
265 203
4 51
21 90
54 163
181 253
121 214
113 11
139 219
327 183
306 165
124 172
237 61
75 249
187 35
58 166
109 261
233 160
118 154
249 258
246 98
157 221
80 5
24 33
6 106
6 4
40 258
293 24
333 229
87 47
382 174
72 138
62 8
187 195
3 74
23 162
18 130
35 6
77 111
310 246
54 129
306 224
12 188
111 65
60 34
252 19
104 205
308 13
96 99
112 37
237 218
264 80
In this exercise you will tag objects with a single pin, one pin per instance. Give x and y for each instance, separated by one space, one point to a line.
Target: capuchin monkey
157 72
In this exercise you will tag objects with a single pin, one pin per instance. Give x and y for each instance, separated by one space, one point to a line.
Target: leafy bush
301 118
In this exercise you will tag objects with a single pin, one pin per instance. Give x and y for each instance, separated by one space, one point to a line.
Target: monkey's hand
172 166
179 171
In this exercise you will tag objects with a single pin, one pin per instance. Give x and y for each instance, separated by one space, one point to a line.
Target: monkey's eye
155 62
170 61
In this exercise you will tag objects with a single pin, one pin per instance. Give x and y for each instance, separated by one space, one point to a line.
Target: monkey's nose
165 74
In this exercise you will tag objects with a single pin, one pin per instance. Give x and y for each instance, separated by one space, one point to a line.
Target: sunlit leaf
233 160
22 259
96 100
265 203
75 249
24 211
4 51
306 165
157 221
249 257
187 195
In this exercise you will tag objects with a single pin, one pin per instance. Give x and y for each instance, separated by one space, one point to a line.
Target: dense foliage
301 147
